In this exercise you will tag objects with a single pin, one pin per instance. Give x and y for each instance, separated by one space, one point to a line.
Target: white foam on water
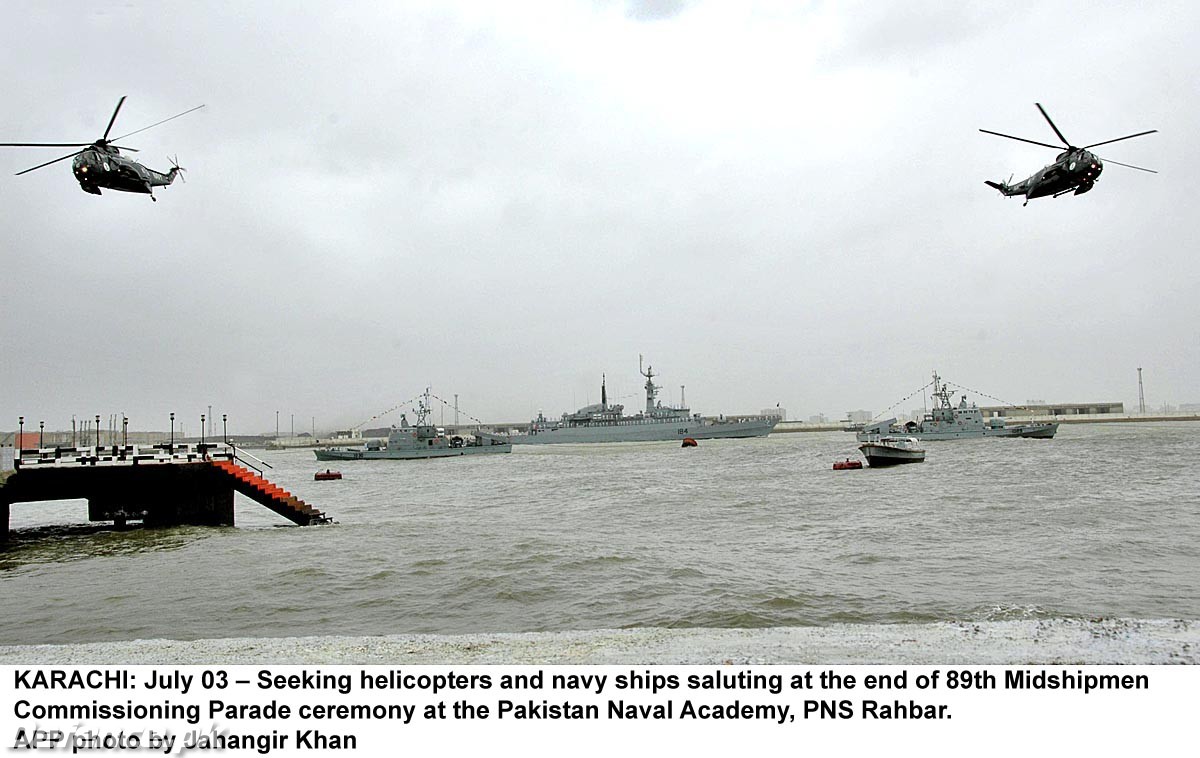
1043 641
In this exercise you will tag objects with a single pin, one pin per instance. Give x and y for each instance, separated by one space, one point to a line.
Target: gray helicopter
100 165
1076 170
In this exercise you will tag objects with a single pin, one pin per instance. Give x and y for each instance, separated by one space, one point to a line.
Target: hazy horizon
772 203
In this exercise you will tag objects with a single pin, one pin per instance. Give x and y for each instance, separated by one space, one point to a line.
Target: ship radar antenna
649 372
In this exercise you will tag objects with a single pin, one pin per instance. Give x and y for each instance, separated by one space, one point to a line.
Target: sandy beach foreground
1045 641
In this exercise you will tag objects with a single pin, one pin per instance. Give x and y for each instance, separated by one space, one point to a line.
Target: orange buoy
846 465
326 475
689 442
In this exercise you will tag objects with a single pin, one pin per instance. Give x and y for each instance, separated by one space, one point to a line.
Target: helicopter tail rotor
176 169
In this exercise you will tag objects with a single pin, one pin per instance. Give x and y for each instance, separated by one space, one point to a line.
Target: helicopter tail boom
1004 189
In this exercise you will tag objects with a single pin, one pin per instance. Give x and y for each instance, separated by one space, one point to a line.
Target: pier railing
241 455
125 455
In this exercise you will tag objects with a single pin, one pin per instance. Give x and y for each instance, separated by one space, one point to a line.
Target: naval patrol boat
602 422
420 440
950 422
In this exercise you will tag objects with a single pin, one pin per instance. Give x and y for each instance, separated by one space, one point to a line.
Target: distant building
820 418
1053 409
26 441
859 417
777 412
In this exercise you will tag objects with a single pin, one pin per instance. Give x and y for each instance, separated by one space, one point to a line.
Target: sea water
1102 521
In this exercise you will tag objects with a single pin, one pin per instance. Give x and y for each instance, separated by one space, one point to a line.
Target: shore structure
605 422
160 485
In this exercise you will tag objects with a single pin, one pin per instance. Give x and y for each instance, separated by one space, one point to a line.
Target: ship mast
651 387
603 394
941 391
423 408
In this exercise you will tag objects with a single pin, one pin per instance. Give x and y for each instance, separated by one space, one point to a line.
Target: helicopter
100 164
1075 170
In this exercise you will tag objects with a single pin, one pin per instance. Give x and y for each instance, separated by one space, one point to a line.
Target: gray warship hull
642 430
384 454
1028 431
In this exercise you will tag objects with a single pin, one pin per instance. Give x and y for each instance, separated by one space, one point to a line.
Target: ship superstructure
605 422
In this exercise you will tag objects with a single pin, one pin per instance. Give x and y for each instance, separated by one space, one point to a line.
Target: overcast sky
773 202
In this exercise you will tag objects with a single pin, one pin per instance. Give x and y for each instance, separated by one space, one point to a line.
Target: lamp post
21 435
202 431
171 449
97 433
225 427
124 430
74 441
41 434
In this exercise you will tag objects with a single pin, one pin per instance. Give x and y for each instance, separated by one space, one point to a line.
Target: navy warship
419 440
949 422
604 422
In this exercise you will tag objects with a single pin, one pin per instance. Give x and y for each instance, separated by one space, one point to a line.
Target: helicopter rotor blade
1127 165
113 120
45 144
1022 139
1052 126
165 120
130 149
47 163
1118 139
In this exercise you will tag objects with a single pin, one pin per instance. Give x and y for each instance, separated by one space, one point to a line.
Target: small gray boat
891 451
417 441
949 422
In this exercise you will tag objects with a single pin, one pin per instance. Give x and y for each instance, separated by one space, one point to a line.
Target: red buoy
846 465
326 475
689 442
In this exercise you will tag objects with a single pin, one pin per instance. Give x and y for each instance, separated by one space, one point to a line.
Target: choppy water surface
1104 520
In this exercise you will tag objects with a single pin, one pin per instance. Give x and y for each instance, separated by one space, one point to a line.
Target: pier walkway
158 485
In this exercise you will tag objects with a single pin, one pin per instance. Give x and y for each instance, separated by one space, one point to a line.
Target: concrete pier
165 485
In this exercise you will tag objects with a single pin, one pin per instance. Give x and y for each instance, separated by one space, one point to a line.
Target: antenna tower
1141 394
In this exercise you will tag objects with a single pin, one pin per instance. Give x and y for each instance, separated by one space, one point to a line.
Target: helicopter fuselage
103 167
1075 171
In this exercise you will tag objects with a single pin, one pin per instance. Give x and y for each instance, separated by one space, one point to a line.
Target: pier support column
164 496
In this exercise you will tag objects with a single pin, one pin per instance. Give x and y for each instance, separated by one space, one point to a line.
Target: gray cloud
773 205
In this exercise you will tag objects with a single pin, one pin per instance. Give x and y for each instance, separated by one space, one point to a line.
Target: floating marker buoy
846 465
326 475
689 442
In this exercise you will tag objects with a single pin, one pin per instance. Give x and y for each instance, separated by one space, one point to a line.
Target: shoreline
1039 641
